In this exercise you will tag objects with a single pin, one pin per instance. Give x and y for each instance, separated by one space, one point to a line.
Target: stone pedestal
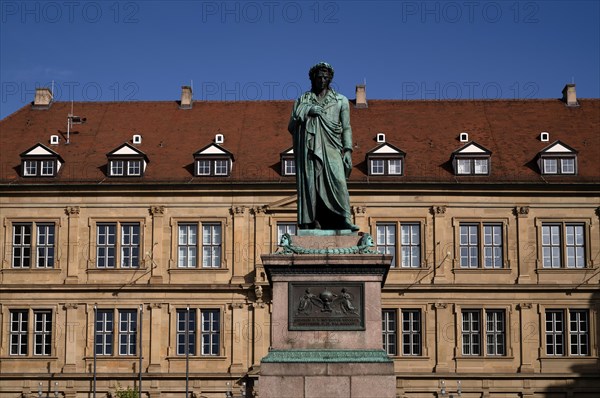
326 321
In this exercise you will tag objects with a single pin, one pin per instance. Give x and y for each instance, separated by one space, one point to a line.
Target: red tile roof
256 133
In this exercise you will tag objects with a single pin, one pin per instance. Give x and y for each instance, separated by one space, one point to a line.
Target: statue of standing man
320 126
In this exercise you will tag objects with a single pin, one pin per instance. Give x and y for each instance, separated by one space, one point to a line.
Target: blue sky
261 50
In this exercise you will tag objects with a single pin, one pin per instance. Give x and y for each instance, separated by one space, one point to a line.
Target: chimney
569 95
186 97
361 96
43 98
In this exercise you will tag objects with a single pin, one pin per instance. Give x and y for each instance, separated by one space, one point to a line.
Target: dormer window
126 161
288 163
385 159
213 160
40 161
471 159
558 159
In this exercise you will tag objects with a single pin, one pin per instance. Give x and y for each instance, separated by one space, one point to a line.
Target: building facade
132 236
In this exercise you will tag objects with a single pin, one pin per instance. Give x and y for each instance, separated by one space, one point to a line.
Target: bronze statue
320 126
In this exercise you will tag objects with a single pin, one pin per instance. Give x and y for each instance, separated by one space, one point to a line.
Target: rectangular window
395 166
106 245
555 343
471 333
130 245
473 250
410 241
481 166
203 167
18 332
210 332
45 245
104 332
463 166
127 332
117 167
550 166
386 240
567 166
377 167
47 168
42 332
285 228
186 333
411 332
579 332
289 167
495 333
221 168
469 246
23 245
211 245
31 167
134 167
188 245
563 243
390 331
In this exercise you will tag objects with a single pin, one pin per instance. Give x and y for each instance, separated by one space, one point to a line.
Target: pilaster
443 332
157 265
237 350
260 238
156 337
442 258
529 331
525 263
73 330
73 247
239 250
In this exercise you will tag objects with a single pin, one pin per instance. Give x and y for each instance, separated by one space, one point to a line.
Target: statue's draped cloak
319 142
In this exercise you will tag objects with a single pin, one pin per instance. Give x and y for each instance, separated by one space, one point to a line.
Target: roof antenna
52 90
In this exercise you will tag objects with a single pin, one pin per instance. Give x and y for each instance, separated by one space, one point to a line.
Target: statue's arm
345 121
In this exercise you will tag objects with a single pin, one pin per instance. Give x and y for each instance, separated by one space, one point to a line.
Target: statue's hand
316 110
347 159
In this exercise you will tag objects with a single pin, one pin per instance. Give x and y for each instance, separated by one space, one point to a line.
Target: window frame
113 337
566 332
563 244
197 332
389 331
118 246
29 337
471 159
559 159
483 331
200 245
481 246
398 246
126 166
385 169
35 166
34 246
288 166
213 161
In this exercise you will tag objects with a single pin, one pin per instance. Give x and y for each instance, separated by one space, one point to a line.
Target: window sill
25 270
196 358
131 270
485 357
29 358
409 358
194 270
564 270
479 270
414 269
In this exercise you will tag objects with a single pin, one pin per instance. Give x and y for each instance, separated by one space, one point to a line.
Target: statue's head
320 76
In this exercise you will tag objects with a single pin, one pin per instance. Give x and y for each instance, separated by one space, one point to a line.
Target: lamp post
444 392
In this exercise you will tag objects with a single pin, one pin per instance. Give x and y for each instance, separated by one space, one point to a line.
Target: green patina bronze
322 136
326 356
364 247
